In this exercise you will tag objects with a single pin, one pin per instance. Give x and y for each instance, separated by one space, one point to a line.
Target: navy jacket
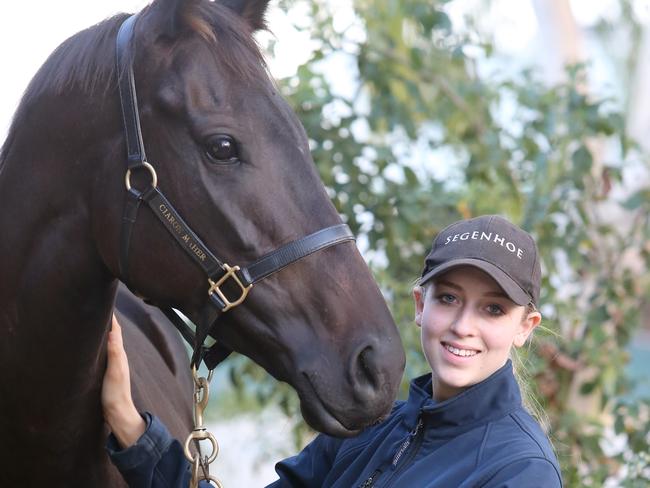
482 437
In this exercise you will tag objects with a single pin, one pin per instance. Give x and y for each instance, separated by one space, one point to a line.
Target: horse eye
222 149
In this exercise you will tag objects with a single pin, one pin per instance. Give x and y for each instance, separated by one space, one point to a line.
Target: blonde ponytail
528 398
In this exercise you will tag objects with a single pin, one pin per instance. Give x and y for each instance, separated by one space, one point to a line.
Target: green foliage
425 140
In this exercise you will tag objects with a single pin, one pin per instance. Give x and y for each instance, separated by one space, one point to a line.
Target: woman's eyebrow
498 294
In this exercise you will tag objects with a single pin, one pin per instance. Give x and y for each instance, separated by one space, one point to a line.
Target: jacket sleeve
310 467
527 473
156 460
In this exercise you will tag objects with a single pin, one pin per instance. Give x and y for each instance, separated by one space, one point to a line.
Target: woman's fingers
117 361
119 410
115 334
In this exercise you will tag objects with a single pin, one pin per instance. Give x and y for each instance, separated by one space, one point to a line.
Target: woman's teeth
460 352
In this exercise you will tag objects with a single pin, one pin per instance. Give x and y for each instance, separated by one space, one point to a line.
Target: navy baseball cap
494 245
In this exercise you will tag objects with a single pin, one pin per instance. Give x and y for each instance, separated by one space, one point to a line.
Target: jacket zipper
414 439
402 449
368 483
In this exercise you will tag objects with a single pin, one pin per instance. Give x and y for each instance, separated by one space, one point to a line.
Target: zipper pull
417 427
402 449
368 483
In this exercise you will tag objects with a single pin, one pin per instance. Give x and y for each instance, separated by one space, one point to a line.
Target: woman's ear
419 295
528 324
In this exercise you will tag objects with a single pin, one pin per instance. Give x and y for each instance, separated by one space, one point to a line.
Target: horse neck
55 294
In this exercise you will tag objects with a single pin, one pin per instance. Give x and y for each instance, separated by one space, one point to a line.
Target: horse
234 160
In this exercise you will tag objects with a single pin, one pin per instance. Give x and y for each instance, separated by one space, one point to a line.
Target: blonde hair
528 398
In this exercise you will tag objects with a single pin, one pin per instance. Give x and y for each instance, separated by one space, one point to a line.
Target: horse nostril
365 373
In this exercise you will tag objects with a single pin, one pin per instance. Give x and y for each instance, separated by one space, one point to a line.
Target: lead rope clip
200 433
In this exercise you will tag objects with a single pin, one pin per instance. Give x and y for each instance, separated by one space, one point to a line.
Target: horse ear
169 16
252 11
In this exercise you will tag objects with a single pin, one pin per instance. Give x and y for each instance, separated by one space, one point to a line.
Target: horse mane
86 61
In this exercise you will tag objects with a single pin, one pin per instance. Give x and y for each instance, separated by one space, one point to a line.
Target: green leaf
641 197
582 160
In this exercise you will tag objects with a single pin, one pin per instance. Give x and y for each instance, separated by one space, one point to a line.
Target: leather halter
217 272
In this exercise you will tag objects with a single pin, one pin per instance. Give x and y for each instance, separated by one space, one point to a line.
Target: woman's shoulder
516 447
520 436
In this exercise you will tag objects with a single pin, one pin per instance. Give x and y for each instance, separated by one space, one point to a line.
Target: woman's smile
458 350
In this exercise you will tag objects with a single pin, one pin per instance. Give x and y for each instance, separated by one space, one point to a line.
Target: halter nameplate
217 272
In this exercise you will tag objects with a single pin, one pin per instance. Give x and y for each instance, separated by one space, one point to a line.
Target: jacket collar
492 398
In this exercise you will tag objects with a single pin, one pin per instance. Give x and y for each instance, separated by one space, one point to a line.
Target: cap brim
507 284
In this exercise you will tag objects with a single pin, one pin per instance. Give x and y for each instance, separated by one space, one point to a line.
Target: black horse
234 160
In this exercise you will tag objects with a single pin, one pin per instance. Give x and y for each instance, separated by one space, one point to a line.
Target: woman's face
468 327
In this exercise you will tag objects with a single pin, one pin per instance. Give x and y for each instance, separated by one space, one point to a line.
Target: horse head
233 159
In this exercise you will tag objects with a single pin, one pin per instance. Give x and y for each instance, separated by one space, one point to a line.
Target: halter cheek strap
218 274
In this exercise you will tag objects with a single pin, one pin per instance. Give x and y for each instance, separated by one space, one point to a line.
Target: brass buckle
215 287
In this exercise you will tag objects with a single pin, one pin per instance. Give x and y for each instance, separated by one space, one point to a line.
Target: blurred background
422 112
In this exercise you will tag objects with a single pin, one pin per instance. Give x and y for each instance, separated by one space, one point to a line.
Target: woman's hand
119 410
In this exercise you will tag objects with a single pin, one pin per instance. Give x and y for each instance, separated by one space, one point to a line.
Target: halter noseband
217 272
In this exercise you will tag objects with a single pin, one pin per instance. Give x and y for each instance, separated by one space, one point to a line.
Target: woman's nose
463 324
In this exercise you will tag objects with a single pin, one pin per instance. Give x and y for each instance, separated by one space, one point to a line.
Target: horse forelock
229 36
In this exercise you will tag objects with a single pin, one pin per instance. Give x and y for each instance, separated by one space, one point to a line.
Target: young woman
463 424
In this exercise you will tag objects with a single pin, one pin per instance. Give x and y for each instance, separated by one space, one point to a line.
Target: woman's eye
495 309
222 149
446 298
